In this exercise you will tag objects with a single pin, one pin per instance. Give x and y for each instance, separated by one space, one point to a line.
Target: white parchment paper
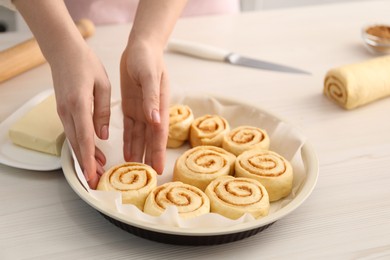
285 140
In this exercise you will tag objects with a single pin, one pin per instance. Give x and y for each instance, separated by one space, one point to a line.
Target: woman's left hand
145 101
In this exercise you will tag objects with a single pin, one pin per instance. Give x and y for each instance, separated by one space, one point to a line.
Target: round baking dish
200 236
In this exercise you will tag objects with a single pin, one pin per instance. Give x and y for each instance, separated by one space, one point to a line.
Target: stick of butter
40 129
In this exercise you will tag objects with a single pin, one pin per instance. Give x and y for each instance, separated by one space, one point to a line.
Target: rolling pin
27 55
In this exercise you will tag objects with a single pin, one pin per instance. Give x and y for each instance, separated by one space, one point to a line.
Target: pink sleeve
123 11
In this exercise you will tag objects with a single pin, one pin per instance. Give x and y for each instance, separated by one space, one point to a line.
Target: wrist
141 44
64 48
155 42
154 21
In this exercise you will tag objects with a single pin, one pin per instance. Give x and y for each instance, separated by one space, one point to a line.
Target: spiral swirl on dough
208 130
336 90
133 180
233 197
189 200
180 119
202 164
244 138
269 168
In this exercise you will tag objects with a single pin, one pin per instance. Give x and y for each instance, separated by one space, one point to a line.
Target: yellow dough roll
189 200
233 197
244 138
269 168
202 164
180 119
133 180
208 130
357 84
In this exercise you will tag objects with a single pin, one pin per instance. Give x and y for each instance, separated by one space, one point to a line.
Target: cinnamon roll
133 180
189 200
244 138
180 119
269 168
208 130
202 164
233 197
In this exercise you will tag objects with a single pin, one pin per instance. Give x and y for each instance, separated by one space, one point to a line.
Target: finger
100 157
128 126
84 129
160 131
149 146
99 169
101 113
158 150
94 182
70 134
138 142
151 99
69 129
73 139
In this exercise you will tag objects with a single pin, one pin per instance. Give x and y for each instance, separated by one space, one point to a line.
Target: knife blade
207 52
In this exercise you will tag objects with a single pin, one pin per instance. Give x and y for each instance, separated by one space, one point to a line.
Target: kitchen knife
216 54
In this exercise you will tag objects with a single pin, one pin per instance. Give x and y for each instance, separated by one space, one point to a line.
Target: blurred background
11 21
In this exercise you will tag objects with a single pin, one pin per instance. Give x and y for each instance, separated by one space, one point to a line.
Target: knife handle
197 50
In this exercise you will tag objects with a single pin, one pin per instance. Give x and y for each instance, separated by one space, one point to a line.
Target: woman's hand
80 81
83 102
145 100
144 83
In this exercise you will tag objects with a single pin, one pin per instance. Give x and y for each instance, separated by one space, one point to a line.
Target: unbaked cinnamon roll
189 200
244 138
133 180
202 164
357 84
233 197
269 168
208 130
180 119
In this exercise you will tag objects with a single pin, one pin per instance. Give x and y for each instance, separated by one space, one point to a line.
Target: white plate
209 235
19 157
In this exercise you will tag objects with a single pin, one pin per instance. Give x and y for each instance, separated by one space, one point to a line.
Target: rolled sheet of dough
354 85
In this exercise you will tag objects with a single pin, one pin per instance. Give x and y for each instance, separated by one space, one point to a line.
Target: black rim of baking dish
190 240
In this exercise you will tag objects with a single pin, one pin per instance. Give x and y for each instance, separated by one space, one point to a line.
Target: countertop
346 217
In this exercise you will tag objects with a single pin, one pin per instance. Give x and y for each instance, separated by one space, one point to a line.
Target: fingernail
104 132
155 116
86 176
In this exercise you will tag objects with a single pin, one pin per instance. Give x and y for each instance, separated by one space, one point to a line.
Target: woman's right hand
83 95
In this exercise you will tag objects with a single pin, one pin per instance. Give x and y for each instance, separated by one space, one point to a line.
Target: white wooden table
346 217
